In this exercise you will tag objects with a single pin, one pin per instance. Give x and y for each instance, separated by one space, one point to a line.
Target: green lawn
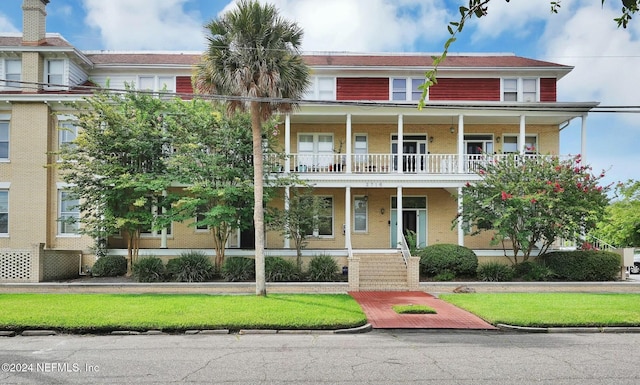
104 312
552 309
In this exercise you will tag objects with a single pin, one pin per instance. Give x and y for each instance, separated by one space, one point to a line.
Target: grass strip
552 309
413 309
105 312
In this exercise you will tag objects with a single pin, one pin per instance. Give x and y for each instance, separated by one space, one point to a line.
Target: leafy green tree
531 201
479 9
253 58
212 157
300 220
116 166
621 225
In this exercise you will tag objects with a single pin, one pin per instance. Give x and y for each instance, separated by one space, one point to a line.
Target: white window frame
66 126
73 229
158 82
316 157
365 200
319 88
410 90
527 141
156 233
316 231
522 95
13 81
5 210
57 85
200 229
5 121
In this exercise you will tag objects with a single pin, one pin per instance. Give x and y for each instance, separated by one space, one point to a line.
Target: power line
544 107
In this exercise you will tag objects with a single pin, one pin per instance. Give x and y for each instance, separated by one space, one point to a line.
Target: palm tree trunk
258 211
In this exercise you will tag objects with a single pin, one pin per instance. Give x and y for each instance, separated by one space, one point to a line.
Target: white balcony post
522 139
583 138
461 144
400 143
460 227
399 226
349 163
347 217
287 143
287 195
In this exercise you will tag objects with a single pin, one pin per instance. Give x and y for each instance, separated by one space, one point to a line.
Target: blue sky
583 34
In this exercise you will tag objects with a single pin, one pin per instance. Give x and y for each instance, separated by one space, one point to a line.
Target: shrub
495 272
236 269
191 267
322 268
441 258
533 271
583 265
445 276
110 266
277 269
148 269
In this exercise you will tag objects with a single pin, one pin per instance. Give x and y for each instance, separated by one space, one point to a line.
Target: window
321 88
4 140
157 83
149 231
315 151
406 88
323 220
520 90
360 211
12 73
67 133
510 144
199 218
69 213
55 73
360 149
4 212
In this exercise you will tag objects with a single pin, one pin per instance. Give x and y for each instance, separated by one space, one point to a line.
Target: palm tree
253 59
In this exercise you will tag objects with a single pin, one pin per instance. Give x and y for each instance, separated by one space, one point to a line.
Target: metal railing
404 249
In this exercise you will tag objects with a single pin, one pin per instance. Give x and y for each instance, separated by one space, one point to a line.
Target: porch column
287 143
583 138
347 217
400 149
460 224
163 232
399 226
287 240
348 164
522 139
461 144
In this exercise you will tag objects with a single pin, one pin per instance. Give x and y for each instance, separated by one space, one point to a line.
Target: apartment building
383 166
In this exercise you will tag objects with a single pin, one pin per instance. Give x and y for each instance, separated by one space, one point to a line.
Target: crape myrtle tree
212 157
528 202
116 165
253 59
480 8
299 221
621 225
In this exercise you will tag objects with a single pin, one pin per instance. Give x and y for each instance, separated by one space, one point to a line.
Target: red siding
548 89
465 89
183 86
362 89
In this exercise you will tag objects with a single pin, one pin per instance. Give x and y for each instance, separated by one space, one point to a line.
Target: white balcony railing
389 163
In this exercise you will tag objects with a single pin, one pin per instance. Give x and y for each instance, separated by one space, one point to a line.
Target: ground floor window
360 213
4 212
323 226
68 213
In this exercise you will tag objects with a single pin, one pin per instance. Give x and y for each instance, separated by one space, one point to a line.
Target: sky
582 34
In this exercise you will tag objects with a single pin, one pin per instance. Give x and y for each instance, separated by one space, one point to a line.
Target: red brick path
377 306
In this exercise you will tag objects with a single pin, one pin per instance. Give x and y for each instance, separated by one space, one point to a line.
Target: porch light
431 139
452 129
382 211
497 139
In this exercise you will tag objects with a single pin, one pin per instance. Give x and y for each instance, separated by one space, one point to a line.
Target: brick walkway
377 306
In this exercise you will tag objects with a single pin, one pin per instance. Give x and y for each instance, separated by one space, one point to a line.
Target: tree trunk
258 187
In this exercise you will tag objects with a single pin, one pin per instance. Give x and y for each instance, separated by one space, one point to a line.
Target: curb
560 330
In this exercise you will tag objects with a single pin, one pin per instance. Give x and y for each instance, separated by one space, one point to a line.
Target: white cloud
365 25
145 24
511 18
6 25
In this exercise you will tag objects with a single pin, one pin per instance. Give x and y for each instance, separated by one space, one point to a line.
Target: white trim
5 185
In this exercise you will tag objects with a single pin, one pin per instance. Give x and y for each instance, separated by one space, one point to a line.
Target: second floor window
55 73
67 133
520 90
12 73
406 88
321 88
157 83
4 140
510 144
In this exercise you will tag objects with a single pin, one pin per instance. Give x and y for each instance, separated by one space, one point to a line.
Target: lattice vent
15 265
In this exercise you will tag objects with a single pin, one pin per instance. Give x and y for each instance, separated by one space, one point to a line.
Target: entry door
412 220
409 221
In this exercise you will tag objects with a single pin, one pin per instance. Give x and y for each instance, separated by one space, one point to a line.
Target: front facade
384 167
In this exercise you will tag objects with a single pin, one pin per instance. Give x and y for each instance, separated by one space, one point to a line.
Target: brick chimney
34 21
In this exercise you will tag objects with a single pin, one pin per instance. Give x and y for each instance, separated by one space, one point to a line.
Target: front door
248 238
414 219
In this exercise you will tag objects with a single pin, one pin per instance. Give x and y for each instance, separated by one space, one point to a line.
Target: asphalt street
389 357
